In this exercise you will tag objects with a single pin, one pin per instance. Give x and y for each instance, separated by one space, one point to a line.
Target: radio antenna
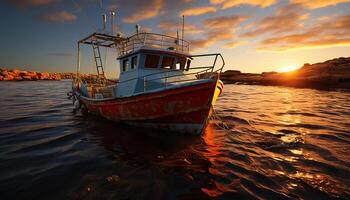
112 21
104 21
183 31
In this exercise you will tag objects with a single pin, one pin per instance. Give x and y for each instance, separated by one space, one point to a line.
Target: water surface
263 143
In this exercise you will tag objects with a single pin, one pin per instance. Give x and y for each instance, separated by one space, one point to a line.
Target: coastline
330 74
22 75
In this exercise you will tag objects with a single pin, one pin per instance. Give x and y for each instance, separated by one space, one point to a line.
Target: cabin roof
102 39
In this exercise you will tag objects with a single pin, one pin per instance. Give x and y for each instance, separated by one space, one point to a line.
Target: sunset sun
288 68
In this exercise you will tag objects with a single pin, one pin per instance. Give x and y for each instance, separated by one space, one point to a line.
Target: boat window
180 63
151 61
125 65
168 62
133 62
188 64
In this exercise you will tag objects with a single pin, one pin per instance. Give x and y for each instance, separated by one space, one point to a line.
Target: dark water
264 143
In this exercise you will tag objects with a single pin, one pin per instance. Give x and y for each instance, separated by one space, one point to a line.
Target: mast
183 31
112 21
104 22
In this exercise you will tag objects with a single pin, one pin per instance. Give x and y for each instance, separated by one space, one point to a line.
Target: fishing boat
159 85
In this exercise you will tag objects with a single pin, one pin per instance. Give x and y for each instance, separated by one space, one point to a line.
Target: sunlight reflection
296 151
211 153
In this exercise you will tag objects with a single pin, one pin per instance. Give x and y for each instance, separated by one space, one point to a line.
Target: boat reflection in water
149 163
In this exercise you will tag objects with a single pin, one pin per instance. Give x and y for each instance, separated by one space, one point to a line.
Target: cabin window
168 62
180 63
133 62
125 65
152 61
188 64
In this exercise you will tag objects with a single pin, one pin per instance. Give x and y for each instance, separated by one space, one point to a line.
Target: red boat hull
184 109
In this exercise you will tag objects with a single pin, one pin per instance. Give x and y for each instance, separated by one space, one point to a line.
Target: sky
253 35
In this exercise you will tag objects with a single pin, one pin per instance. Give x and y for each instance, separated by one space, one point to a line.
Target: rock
35 77
14 71
27 78
57 77
44 76
23 73
18 78
4 73
32 74
8 78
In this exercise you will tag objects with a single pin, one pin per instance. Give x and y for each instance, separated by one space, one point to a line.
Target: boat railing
151 40
170 76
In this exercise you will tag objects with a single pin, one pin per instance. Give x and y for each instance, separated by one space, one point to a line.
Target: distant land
330 74
20 75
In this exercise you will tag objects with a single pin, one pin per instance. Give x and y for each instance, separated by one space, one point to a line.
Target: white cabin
147 70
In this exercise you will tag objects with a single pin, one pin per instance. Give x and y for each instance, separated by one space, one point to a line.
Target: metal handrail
140 40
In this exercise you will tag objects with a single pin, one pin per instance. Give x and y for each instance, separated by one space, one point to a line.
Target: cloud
200 43
224 22
233 3
198 11
30 3
232 44
60 16
169 27
286 19
335 32
218 29
318 4
145 11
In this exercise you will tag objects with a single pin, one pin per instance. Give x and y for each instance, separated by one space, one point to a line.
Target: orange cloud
318 4
146 11
61 16
170 27
233 3
232 44
224 22
198 11
218 29
325 34
286 19
200 43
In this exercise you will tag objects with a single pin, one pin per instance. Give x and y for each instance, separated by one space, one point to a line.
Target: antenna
138 28
177 38
183 31
104 21
112 21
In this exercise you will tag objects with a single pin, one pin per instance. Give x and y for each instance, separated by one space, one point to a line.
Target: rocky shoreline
21 75
330 74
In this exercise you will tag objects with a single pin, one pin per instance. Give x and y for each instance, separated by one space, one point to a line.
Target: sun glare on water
288 68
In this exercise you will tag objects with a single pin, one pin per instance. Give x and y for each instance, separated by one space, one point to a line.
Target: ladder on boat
98 59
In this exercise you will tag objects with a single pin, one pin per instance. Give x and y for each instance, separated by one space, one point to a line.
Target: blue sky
253 35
